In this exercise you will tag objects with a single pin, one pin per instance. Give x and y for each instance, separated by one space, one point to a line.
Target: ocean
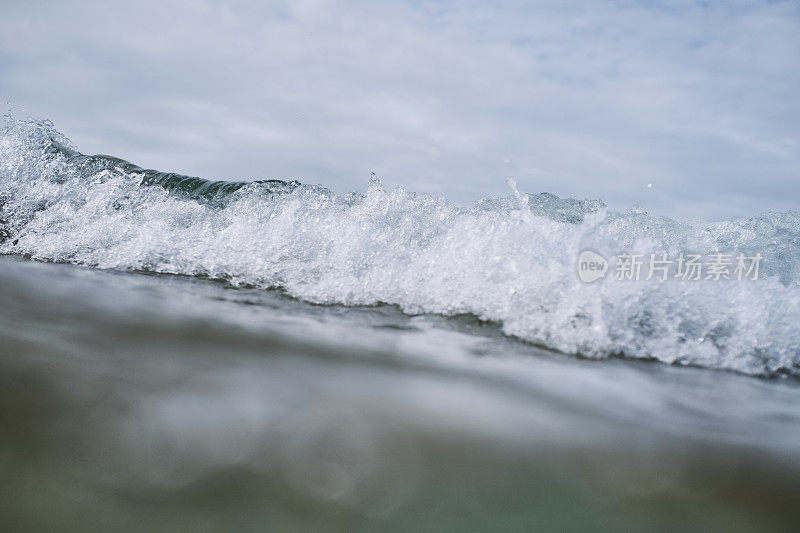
185 354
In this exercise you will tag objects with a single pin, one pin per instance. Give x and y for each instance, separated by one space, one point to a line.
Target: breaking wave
510 260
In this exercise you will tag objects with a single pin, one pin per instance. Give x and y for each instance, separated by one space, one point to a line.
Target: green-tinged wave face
511 261
191 187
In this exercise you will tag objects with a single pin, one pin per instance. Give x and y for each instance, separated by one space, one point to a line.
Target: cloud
591 99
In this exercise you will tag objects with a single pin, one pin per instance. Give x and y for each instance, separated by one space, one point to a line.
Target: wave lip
511 260
192 187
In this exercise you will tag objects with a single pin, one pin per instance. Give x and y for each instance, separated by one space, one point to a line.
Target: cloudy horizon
686 108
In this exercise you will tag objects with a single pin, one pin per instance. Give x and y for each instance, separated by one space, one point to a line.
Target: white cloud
593 99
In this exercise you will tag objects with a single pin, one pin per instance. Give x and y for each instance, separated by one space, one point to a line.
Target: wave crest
511 260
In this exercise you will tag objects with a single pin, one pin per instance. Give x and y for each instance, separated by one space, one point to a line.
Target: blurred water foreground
135 402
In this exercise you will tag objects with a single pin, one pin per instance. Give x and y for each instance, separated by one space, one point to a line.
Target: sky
689 109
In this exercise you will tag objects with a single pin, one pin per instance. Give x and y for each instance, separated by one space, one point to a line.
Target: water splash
509 260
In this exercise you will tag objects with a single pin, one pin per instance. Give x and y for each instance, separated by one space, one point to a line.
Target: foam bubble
510 260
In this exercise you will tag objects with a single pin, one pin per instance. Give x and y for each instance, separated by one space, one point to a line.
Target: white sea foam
510 260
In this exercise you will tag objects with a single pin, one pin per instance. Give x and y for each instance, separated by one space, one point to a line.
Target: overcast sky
593 99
